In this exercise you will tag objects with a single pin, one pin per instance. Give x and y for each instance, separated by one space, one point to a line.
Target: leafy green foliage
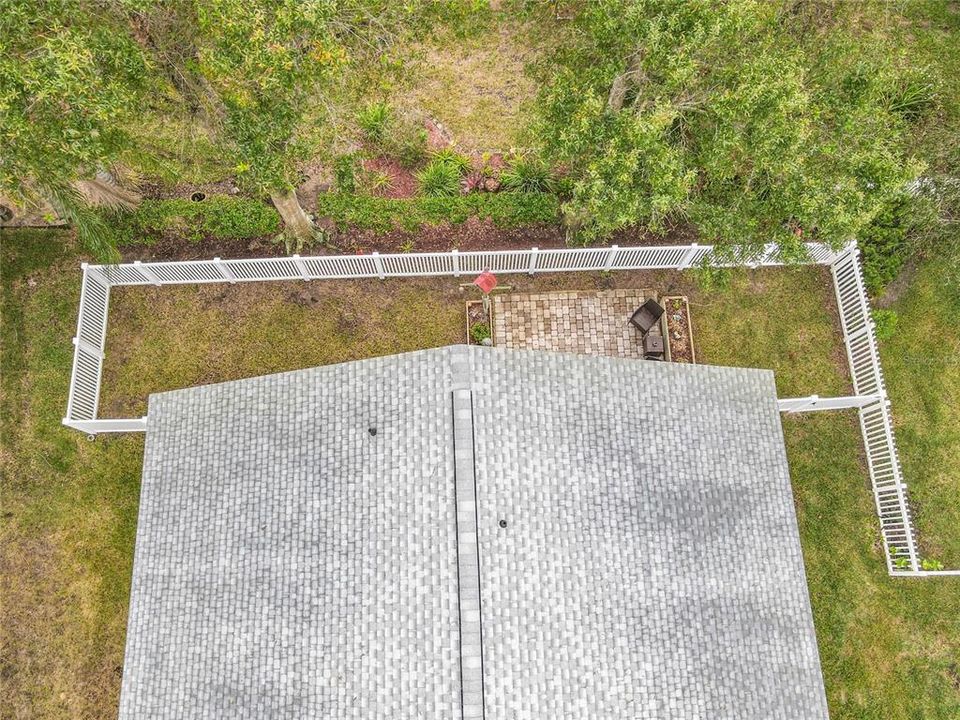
69 79
884 243
723 115
374 120
396 135
885 323
264 59
345 173
440 178
220 216
479 332
525 174
385 214
448 156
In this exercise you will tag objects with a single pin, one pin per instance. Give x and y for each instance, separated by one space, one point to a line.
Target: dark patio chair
646 316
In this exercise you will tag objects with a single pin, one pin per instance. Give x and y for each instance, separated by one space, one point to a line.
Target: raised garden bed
479 323
679 330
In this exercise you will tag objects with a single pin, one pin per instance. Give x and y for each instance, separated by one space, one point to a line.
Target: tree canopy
68 81
716 113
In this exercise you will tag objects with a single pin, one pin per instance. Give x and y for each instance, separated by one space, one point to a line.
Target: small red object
486 281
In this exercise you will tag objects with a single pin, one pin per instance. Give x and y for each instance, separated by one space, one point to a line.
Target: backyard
888 648
479 126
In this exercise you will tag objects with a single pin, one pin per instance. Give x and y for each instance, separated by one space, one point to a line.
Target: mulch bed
679 330
402 183
476 314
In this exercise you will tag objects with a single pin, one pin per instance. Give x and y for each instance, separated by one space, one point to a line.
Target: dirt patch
483 234
179 248
159 191
897 287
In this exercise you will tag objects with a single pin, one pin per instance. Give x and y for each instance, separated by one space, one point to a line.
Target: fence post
687 259
532 266
456 262
611 256
88 348
225 270
378 263
148 274
302 267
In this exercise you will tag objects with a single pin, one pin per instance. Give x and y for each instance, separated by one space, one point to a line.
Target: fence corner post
225 270
378 263
611 256
532 266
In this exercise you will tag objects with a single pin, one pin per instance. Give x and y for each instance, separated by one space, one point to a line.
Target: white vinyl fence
870 393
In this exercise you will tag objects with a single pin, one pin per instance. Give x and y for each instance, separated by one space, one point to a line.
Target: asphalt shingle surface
291 564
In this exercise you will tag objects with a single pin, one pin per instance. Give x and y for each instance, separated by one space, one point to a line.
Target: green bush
450 157
374 120
526 175
885 323
401 136
440 178
479 332
884 243
345 173
221 216
385 214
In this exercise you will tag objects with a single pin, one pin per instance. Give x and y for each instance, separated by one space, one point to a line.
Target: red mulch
402 182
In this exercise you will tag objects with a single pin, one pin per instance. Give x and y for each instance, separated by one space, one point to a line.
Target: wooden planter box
475 314
678 349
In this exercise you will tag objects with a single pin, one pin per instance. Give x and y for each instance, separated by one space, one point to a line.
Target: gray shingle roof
290 563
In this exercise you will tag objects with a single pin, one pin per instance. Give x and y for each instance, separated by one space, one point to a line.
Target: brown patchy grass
475 84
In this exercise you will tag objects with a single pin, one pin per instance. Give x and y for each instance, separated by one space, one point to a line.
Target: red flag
486 281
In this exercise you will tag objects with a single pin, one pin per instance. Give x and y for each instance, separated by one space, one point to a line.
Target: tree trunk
298 224
630 78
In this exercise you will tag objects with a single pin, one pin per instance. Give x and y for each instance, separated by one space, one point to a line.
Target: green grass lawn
889 648
922 366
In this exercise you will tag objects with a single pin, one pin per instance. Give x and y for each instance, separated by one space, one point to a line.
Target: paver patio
587 322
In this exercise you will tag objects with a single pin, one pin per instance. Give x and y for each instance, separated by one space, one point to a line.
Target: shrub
884 244
374 120
221 216
384 214
885 323
376 182
526 175
398 136
913 96
345 173
447 156
479 332
440 178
